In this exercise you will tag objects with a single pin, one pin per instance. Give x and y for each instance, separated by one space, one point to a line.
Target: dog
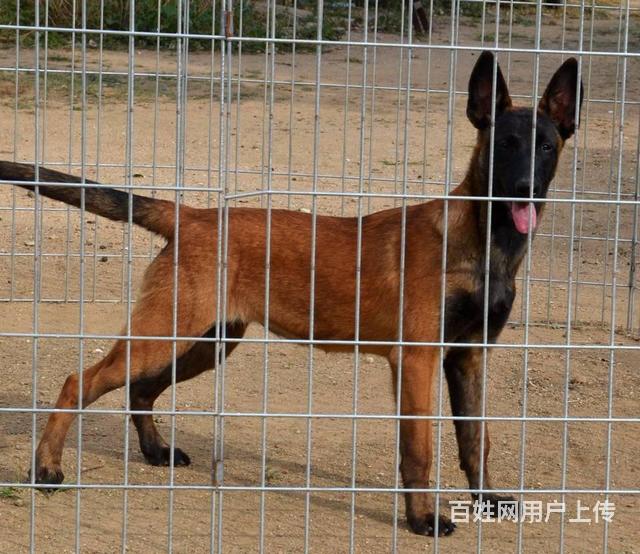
334 316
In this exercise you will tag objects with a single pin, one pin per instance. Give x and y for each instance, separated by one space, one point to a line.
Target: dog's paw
47 476
162 457
427 525
498 506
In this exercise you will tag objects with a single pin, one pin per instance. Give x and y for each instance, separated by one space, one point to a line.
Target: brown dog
335 285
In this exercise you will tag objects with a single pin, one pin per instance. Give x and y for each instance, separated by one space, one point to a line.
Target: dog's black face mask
512 154
513 138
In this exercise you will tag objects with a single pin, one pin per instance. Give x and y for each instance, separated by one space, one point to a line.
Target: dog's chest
465 308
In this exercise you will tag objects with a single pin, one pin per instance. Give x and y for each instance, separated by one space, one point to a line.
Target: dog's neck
508 246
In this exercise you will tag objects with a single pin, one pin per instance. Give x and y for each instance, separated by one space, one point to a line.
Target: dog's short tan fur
290 267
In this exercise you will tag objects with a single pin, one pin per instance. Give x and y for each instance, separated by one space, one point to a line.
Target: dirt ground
536 464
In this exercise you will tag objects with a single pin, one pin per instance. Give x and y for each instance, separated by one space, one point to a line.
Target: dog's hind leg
107 375
463 370
144 393
135 359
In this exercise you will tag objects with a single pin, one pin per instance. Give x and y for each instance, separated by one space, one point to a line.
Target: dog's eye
504 143
547 147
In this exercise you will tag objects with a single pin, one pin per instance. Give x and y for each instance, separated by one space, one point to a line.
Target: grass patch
58 58
251 20
9 493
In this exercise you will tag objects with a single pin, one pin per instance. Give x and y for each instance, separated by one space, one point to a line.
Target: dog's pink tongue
524 216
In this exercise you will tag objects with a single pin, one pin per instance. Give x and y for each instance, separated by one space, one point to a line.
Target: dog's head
557 114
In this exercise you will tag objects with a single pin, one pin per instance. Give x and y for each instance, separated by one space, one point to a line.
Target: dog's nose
522 188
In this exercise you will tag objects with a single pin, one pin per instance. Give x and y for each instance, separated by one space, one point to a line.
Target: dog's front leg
463 369
415 377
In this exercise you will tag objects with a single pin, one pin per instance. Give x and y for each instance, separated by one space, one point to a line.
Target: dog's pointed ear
559 100
480 85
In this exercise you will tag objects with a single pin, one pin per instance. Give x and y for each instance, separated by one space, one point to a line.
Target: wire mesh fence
340 109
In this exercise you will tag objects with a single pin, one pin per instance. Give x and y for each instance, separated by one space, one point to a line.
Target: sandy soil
289 129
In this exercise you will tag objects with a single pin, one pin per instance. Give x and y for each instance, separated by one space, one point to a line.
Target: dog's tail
155 215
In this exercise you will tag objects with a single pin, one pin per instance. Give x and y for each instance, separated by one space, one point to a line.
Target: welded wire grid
327 107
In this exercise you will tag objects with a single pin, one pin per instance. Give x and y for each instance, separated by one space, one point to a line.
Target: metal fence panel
320 108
